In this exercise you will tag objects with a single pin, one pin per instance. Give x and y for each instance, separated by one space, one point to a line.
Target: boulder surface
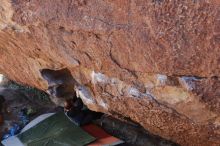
155 62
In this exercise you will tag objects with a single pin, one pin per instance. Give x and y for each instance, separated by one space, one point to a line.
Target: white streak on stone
188 82
134 92
84 94
98 78
161 80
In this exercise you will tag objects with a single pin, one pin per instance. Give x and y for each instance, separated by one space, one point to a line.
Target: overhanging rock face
156 62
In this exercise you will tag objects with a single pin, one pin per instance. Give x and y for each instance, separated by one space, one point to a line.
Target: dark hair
2 99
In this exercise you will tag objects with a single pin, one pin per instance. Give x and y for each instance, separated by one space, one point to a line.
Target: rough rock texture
155 62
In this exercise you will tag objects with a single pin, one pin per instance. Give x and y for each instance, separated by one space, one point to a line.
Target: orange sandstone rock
155 62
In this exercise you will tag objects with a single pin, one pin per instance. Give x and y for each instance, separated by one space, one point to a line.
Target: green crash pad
56 130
